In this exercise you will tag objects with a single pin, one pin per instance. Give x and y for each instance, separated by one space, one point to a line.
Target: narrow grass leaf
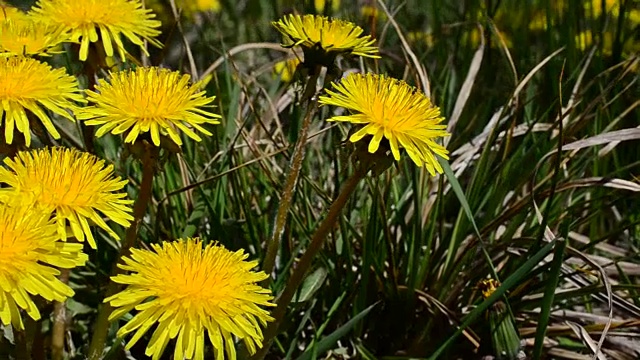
457 189
549 292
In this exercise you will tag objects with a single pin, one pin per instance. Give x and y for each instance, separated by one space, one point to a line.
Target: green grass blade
457 189
549 292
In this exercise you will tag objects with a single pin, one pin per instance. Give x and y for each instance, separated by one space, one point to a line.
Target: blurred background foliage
517 80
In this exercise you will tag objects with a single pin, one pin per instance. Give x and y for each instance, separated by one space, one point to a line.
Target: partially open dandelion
74 186
29 255
325 37
154 100
106 20
286 69
30 86
28 37
190 291
392 109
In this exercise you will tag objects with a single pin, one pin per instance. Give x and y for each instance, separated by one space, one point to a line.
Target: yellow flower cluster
383 107
30 253
52 199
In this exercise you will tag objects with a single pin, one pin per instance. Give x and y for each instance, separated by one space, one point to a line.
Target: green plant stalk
59 322
21 345
504 336
101 328
307 259
88 132
292 176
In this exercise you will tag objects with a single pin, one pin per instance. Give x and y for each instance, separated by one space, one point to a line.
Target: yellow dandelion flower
488 287
371 11
540 22
28 85
327 35
394 110
10 12
152 100
193 6
286 69
188 291
28 37
105 20
584 41
634 17
29 255
610 6
423 37
322 5
72 185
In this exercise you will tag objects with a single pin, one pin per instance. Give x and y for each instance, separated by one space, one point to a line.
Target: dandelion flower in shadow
30 86
75 187
390 108
154 100
286 69
28 37
323 37
193 6
30 252
10 12
88 21
192 292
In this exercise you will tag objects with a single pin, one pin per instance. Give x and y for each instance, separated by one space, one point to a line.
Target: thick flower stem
88 131
21 347
101 328
305 262
59 322
292 176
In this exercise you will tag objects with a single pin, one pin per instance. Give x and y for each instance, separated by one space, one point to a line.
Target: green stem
292 176
88 132
101 328
307 259
21 348
59 328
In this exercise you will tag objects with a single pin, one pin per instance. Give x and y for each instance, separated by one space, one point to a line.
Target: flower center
14 249
68 190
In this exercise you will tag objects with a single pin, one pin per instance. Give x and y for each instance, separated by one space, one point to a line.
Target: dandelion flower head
29 255
322 5
107 20
28 85
286 69
392 109
325 34
29 37
188 291
192 6
154 100
74 186
9 12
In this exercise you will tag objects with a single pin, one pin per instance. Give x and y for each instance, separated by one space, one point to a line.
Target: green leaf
547 301
311 284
